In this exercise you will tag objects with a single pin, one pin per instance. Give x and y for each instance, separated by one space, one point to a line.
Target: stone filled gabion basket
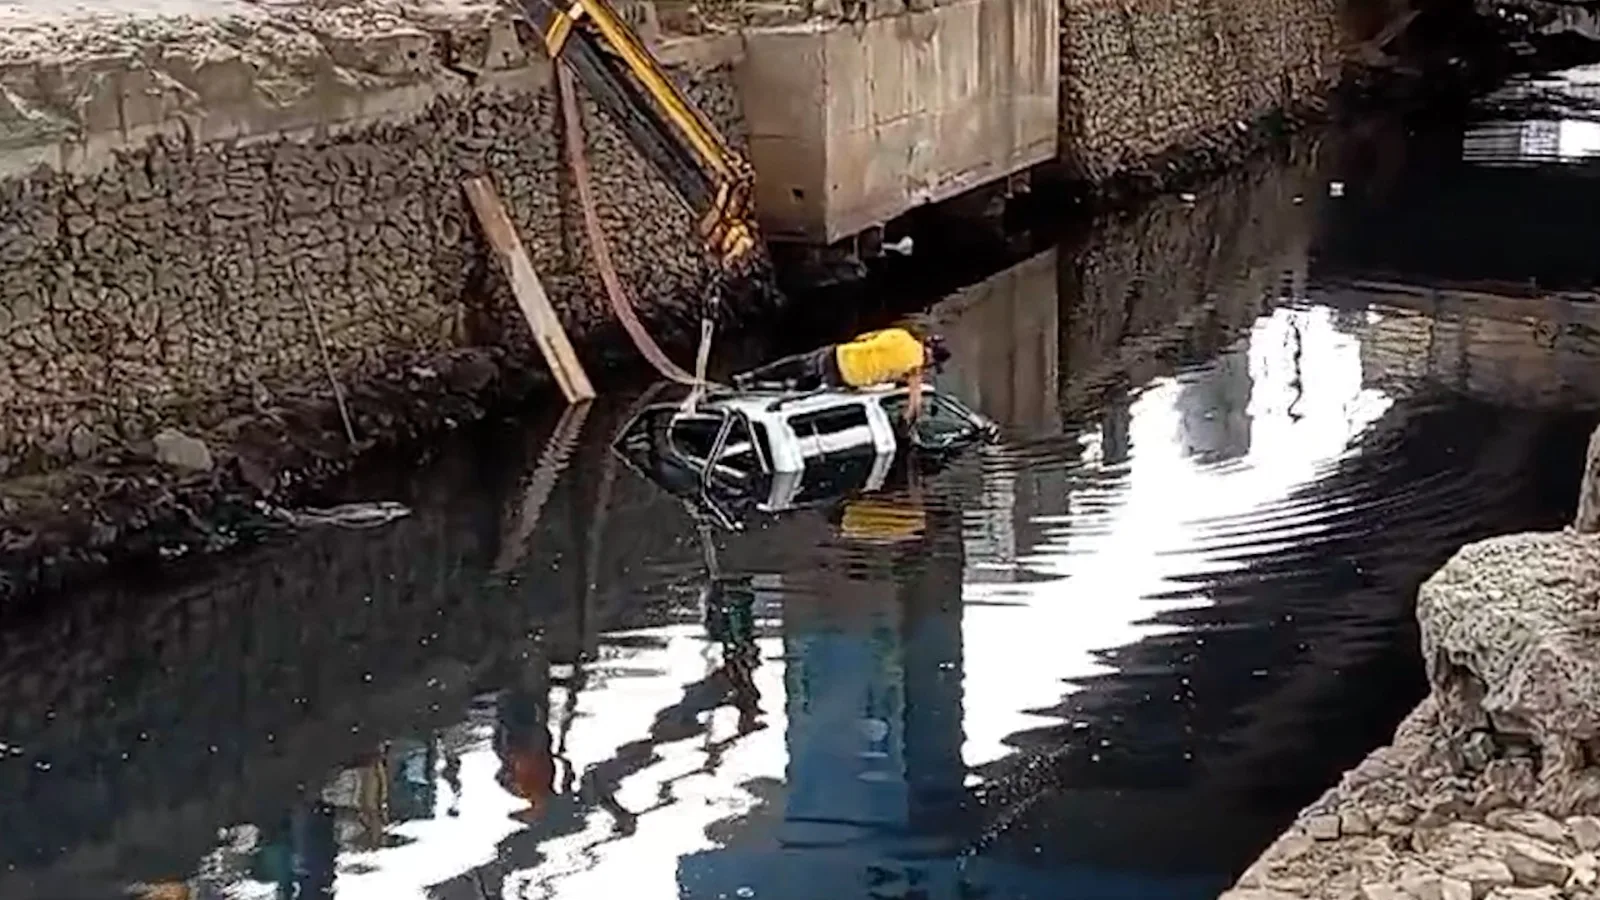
1510 631
1140 78
176 287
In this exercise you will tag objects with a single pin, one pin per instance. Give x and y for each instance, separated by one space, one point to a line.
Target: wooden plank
529 291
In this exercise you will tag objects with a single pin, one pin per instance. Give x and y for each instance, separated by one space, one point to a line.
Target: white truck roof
755 404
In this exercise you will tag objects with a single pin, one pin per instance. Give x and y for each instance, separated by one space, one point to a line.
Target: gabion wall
171 289
1143 77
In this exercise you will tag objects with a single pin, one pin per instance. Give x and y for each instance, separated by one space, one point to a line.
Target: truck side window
838 477
825 423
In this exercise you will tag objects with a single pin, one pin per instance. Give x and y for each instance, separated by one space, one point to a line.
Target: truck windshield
942 421
842 429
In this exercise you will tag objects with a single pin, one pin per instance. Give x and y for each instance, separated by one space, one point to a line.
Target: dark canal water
1107 658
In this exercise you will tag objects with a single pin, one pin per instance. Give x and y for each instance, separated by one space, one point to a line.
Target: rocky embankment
1491 788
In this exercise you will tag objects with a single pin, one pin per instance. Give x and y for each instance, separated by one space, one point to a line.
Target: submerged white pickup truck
786 450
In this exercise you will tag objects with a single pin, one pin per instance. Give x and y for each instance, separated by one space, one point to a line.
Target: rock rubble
1467 855
1491 788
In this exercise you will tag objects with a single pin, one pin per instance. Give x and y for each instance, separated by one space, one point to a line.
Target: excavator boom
678 139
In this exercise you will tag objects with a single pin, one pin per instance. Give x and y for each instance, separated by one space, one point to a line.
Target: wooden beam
529 291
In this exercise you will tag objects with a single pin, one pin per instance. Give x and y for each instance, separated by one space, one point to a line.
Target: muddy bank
1491 787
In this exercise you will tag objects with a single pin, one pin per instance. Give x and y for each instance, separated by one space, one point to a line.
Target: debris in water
348 515
1335 189
1186 197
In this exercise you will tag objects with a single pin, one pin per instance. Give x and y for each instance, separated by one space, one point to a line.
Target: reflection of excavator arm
676 137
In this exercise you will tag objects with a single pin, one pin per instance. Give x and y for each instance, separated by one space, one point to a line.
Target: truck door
840 451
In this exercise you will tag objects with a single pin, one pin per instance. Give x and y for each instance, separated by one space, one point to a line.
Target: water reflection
1501 206
1137 531
1213 411
1557 121
1107 657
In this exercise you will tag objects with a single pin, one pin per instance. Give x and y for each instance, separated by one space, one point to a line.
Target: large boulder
1588 519
1511 641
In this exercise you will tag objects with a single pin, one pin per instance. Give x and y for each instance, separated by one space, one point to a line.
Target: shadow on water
1106 658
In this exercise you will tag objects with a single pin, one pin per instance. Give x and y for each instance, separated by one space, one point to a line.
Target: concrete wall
1143 77
853 124
167 228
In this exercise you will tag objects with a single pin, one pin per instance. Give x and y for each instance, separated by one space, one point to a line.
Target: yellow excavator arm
631 87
